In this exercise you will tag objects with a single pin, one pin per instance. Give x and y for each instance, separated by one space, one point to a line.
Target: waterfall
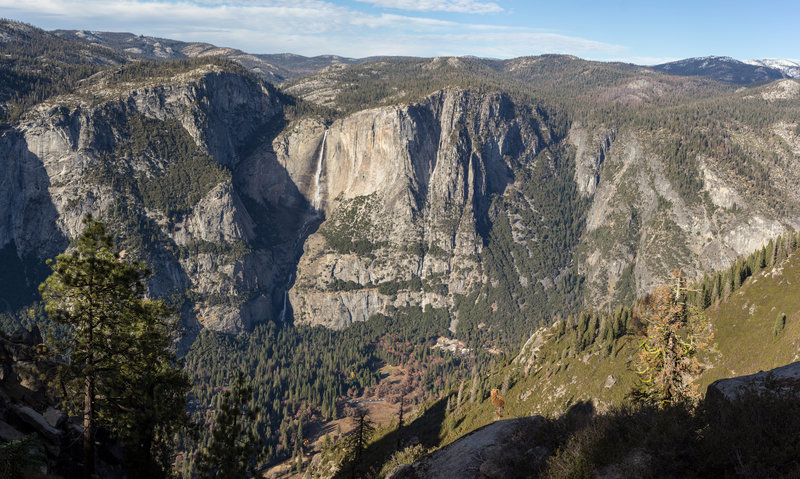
316 201
285 302
308 223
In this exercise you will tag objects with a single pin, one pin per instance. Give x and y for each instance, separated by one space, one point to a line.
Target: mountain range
499 191
493 204
286 66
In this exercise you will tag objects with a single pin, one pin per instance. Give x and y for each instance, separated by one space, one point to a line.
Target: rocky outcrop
492 452
590 153
27 409
776 381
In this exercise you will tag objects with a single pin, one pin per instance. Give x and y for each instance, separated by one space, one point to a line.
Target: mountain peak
722 68
790 68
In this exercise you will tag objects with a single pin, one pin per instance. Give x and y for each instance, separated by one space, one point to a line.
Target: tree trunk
88 425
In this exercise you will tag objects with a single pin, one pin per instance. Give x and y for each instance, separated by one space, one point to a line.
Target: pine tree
504 387
773 247
400 423
356 442
121 365
473 391
21 457
298 442
151 395
459 397
666 359
234 451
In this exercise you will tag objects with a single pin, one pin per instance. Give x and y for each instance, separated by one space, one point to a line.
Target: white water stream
285 303
316 201
317 197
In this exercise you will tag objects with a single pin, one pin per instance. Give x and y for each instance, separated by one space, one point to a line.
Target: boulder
14 351
784 378
37 422
28 338
54 417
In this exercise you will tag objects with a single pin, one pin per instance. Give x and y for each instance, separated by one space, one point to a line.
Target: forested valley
205 274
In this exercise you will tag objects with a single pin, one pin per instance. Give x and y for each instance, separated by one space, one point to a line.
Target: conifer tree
473 392
149 400
459 397
121 367
773 247
234 450
666 359
780 323
356 442
504 387
400 422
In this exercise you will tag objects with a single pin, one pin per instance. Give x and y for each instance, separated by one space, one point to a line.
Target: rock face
640 226
491 452
169 168
406 191
477 203
775 381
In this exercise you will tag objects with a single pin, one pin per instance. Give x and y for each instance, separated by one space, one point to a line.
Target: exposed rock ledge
784 377
488 452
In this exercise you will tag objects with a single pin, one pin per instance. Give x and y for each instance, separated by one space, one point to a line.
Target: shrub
409 455
754 435
637 440
780 323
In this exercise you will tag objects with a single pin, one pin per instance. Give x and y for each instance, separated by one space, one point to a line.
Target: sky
640 31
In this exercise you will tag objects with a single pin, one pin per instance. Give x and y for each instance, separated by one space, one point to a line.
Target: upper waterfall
317 197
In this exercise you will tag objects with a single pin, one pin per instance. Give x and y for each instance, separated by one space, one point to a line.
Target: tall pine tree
121 370
234 450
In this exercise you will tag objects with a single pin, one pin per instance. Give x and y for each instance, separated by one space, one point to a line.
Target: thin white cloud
306 27
460 6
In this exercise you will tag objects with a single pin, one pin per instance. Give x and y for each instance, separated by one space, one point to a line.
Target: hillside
496 192
552 372
723 69
37 64
573 369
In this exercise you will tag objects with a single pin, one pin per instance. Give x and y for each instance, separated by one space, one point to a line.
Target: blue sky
641 31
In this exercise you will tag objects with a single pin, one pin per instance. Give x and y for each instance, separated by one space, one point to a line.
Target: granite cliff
483 202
